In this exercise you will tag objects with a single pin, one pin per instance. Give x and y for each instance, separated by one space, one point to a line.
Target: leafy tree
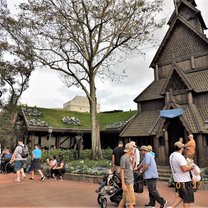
82 39
15 71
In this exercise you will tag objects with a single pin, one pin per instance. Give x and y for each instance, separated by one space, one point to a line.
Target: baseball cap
128 147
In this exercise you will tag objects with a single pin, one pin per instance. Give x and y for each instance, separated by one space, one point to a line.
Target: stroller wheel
9 168
99 199
103 202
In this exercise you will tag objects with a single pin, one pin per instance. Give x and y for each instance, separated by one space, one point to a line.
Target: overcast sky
47 90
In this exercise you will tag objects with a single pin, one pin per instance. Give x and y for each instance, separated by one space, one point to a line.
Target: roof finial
176 6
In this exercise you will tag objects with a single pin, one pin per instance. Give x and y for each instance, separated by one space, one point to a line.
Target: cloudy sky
47 90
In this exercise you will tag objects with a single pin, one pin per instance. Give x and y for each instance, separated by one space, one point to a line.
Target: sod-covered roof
42 118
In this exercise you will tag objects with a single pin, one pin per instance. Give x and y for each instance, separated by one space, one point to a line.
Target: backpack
25 151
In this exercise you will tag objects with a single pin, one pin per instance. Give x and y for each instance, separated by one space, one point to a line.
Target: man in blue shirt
149 169
36 165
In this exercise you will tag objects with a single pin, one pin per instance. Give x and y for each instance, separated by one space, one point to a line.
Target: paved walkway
61 194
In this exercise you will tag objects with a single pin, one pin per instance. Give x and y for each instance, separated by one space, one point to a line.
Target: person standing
149 171
118 152
150 150
36 164
127 177
18 160
136 156
181 176
190 147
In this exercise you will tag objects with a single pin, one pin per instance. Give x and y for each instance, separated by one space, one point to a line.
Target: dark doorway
175 131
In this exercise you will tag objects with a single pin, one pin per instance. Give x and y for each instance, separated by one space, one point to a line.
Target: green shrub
84 165
91 167
68 154
107 153
206 171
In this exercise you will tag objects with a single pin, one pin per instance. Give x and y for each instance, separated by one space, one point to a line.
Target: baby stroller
138 182
110 188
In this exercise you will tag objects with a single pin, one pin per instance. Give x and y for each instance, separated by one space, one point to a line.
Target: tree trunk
96 152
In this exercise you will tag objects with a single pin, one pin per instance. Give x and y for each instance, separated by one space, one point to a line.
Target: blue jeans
153 193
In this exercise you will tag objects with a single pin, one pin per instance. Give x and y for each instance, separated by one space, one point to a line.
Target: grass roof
54 117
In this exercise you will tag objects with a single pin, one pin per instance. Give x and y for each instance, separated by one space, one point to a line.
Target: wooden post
32 141
156 148
192 62
166 146
200 153
156 72
190 98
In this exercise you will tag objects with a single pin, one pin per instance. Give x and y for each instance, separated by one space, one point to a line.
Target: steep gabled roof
169 34
179 71
151 92
150 123
191 6
140 124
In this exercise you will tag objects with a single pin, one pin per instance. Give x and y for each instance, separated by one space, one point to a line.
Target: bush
69 154
107 153
85 165
90 167
205 171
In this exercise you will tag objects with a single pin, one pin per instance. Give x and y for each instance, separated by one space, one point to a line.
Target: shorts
185 191
35 165
18 164
129 195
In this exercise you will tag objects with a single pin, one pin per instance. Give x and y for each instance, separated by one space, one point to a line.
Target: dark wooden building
175 104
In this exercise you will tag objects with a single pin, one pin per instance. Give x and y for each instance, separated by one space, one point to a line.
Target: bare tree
82 38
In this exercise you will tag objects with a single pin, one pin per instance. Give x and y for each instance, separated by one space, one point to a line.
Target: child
51 162
195 172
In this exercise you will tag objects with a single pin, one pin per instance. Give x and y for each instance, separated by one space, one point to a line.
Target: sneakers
31 179
23 177
149 206
42 178
17 179
163 205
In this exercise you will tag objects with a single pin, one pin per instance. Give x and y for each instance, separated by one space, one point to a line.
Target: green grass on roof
54 118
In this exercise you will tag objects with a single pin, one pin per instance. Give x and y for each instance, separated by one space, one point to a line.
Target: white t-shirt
177 160
136 158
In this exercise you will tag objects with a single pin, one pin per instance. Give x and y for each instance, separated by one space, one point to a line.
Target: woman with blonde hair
150 150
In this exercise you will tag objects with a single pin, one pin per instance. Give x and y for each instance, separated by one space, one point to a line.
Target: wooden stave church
180 87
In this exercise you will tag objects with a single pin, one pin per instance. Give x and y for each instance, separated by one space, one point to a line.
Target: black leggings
58 172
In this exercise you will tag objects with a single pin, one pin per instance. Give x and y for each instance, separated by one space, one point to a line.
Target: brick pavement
61 194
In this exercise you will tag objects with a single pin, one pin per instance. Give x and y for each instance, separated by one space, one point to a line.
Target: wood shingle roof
181 34
197 81
148 123
192 7
141 124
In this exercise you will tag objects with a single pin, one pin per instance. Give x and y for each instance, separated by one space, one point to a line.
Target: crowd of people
125 161
56 168
185 172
